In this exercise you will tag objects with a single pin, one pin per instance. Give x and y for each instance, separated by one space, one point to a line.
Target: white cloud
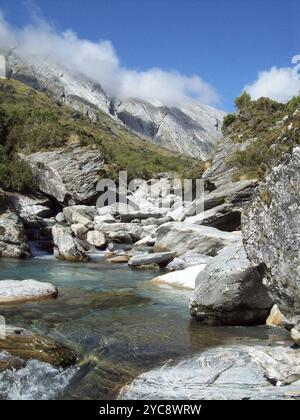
99 61
280 84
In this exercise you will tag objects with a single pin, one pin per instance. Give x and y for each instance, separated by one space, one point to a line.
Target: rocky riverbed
217 262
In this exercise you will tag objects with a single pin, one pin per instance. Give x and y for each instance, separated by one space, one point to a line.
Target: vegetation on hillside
268 128
30 121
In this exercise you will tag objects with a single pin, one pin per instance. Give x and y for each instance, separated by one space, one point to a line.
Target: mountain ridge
189 129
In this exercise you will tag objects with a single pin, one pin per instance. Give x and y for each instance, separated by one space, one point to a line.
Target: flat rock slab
162 259
27 345
14 291
184 279
222 373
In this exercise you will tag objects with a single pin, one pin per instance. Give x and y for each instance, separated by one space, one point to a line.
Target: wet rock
13 291
162 259
120 259
66 246
13 240
230 291
271 227
224 373
183 237
96 239
68 174
27 345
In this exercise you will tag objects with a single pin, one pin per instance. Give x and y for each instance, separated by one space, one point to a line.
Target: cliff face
190 129
271 231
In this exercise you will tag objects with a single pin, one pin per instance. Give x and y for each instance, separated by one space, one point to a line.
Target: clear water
119 323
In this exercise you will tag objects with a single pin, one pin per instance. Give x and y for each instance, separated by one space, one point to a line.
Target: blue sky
225 42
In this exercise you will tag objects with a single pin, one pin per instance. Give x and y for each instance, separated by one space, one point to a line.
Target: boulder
13 291
162 259
96 239
183 279
237 193
80 214
138 215
276 318
120 259
224 217
27 345
230 291
222 373
183 237
29 207
281 365
187 260
271 226
80 231
13 240
104 219
120 232
68 174
295 334
66 246
60 217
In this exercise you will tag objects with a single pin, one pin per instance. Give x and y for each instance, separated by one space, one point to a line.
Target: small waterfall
40 249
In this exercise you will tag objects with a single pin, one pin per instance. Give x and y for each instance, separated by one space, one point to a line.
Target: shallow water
119 323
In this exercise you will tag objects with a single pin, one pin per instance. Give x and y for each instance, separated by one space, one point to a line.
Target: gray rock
60 217
137 215
237 193
104 219
162 259
295 334
80 231
32 206
80 214
13 240
120 231
224 373
224 217
69 174
66 246
222 171
230 291
13 291
96 239
271 227
189 259
183 237
281 365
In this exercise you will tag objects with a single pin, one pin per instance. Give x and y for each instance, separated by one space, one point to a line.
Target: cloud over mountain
100 61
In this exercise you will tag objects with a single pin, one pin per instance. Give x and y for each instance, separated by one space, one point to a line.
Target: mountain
190 129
